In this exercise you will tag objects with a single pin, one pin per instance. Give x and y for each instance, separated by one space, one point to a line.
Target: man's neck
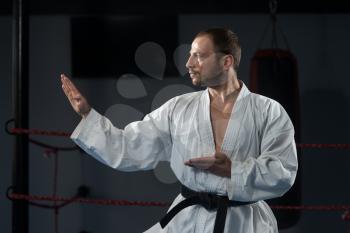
227 91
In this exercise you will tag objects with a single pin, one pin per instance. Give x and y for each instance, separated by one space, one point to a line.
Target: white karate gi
259 140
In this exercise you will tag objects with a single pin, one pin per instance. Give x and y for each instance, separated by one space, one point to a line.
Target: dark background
178 7
318 35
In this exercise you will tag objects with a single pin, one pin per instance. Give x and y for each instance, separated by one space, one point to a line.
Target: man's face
203 64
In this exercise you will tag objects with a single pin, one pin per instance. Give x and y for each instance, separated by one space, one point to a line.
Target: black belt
209 201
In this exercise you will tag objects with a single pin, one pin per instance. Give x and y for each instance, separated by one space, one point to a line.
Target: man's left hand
219 164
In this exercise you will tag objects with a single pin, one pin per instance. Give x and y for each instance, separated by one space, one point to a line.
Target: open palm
76 99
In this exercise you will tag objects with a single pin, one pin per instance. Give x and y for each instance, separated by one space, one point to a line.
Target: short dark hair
225 41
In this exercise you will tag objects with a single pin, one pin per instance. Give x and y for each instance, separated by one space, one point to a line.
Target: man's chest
220 117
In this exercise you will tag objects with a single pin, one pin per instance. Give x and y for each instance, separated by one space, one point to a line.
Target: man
230 148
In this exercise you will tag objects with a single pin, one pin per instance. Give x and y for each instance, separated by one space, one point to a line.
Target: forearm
130 149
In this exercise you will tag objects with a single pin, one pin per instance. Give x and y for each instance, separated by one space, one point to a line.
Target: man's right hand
76 99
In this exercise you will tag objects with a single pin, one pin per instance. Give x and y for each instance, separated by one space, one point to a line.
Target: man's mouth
192 75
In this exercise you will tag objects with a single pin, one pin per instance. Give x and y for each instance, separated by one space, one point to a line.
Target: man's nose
190 63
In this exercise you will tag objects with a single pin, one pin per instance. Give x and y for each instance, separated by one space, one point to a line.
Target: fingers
66 92
65 86
71 85
78 102
64 89
70 88
219 164
74 97
202 162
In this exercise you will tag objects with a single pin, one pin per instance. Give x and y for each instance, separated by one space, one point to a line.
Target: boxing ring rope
68 200
60 202
49 148
114 202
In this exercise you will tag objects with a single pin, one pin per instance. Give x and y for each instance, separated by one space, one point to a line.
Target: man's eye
199 56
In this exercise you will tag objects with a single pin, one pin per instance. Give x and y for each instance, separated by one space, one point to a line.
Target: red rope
314 145
16 196
312 207
39 132
346 215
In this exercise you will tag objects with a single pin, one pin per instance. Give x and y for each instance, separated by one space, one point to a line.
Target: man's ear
228 61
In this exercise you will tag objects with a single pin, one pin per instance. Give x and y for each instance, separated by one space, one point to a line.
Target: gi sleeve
273 172
139 146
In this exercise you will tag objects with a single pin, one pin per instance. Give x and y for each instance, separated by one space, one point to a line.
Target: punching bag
274 74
